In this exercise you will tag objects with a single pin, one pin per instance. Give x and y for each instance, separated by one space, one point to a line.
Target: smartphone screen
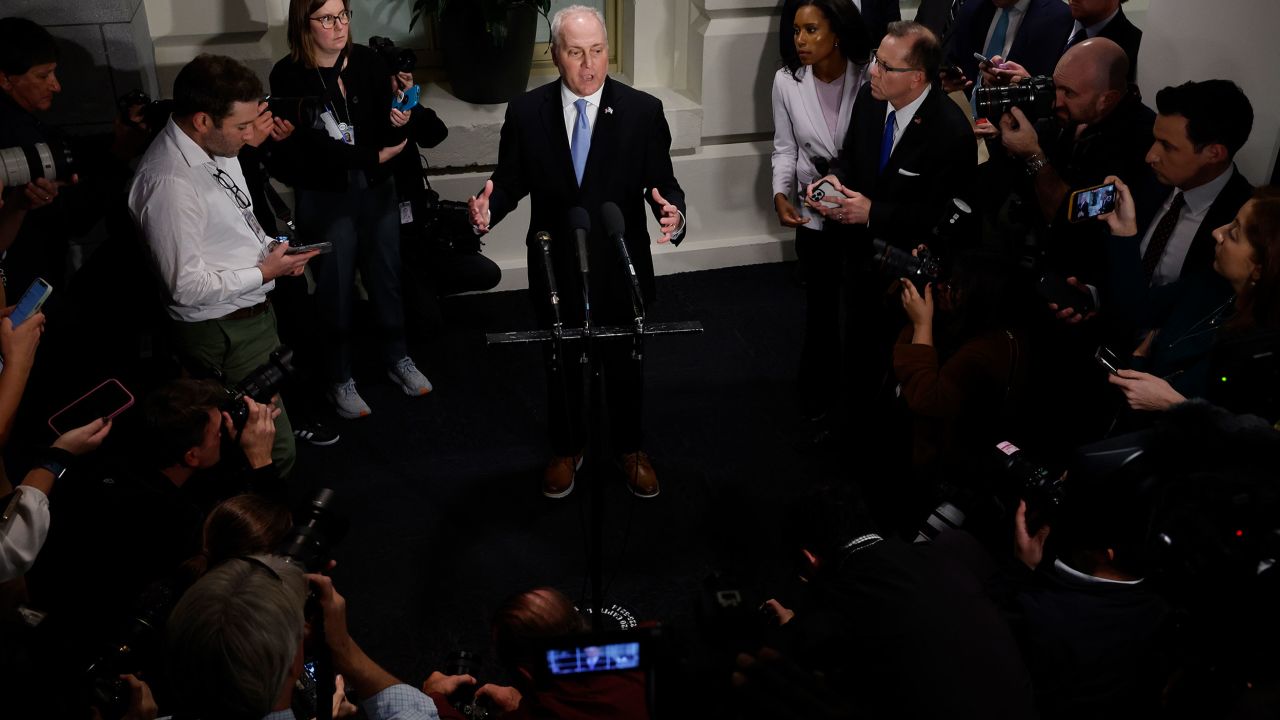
594 658
104 401
1092 202
31 301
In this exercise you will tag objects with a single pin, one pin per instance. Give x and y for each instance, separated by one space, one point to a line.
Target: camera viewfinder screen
594 658
1095 202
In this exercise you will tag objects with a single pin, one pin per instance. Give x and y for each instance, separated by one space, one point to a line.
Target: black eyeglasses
875 60
230 185
327 21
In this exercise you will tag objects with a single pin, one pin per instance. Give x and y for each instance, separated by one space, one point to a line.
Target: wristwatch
1036 163
55 460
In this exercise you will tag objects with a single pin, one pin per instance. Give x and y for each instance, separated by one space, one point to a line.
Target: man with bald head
579 142
1100 127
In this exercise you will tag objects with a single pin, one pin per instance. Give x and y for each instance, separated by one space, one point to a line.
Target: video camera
261 385
1033 96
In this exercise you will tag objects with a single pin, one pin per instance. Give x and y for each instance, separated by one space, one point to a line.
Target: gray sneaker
411 381
347 401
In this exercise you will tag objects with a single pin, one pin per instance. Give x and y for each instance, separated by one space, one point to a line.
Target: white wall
1232 39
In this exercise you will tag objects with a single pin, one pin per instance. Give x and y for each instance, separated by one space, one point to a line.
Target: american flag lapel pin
917 120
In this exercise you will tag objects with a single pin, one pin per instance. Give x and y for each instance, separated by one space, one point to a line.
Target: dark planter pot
481 72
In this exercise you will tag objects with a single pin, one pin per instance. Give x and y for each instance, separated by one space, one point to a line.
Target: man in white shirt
191 201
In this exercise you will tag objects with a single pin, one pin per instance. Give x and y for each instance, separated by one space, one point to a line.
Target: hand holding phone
320 247
825 190
1055 289
1107 359
105 401
1089 203
31 302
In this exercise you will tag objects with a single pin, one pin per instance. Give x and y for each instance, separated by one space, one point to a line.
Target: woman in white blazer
825 53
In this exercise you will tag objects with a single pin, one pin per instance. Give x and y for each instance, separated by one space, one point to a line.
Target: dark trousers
822 256
623 382
363 224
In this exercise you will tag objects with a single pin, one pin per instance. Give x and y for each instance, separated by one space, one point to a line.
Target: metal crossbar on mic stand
592 407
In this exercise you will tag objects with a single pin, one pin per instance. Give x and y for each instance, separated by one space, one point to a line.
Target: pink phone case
81 399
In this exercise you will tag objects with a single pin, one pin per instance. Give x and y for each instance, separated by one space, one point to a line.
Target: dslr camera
921 268
261 385
1033 96
398 60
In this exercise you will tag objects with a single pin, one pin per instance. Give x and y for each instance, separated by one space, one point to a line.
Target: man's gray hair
234 635
557 21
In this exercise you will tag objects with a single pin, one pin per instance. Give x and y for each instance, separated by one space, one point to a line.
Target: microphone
544 241
580 222
615 227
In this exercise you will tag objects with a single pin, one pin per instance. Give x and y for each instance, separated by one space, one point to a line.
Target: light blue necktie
581 144
996 46
886 143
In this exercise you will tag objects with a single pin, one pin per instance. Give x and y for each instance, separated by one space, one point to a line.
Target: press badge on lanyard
338 130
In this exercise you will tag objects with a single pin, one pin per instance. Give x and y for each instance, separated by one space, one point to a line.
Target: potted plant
487 44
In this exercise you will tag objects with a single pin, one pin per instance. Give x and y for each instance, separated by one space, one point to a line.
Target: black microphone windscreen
579 219
614 225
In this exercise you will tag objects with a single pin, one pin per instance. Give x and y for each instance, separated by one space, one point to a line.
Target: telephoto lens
21 164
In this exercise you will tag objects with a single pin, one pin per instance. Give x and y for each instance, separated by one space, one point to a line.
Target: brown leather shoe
641 478
557 480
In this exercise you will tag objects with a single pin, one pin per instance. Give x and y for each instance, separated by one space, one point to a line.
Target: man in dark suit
876 16
579 142
1105 18
1033 34
908 152
1199 129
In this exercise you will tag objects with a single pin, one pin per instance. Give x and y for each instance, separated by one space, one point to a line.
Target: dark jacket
935 160
1041 36
312 160
876 16
1127 35
630 155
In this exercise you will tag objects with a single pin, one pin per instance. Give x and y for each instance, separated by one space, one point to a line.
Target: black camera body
153 113
261 385
921 268
464 700
316 531
303 112
1033 96
1027 479
398 60
447 222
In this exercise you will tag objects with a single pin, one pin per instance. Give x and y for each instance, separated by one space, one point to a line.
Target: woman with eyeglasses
339 168
1211 335
824 51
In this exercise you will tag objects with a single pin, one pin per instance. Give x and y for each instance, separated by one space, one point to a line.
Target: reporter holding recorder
340 169
824 54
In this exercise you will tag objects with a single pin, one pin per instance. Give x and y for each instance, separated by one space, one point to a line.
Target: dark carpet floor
443 491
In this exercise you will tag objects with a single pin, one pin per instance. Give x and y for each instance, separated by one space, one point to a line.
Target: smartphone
1091 202
104 401
1107 359
323 247
981 58
409 101
824 189
1055 289
951 72
31 302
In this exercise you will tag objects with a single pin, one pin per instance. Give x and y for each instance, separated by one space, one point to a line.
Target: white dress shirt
205 246
904 116
1198 201
24 533
567 99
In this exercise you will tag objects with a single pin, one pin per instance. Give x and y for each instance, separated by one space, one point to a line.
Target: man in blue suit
1031 32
